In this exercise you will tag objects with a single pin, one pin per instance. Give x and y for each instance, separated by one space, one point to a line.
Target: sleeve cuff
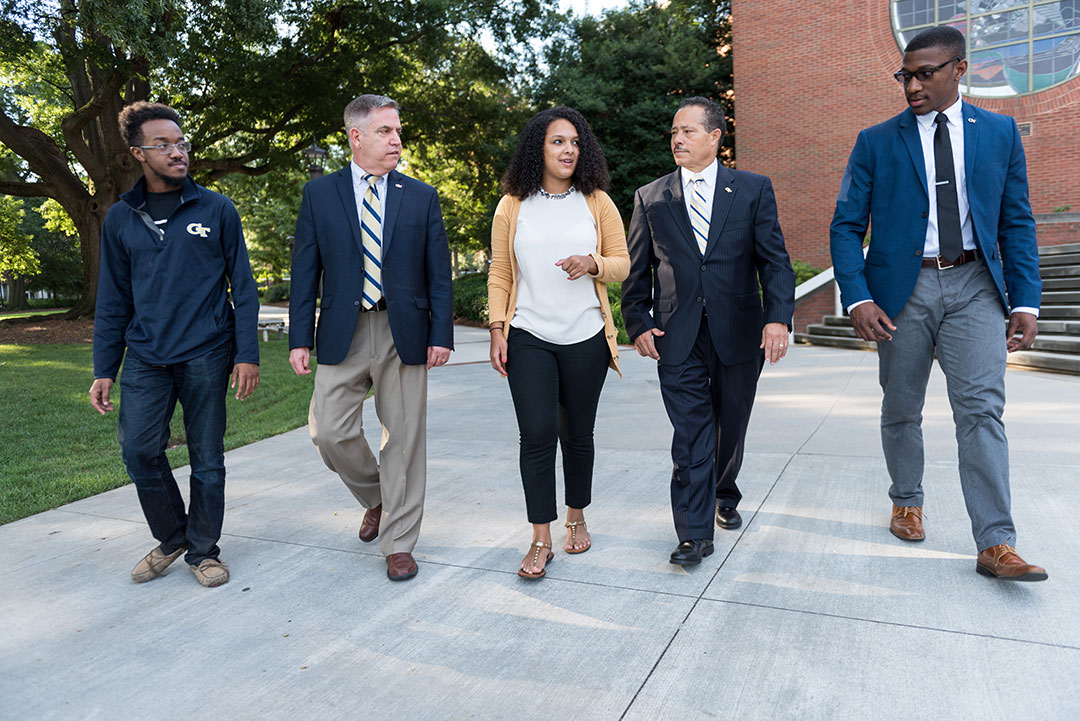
1025 309
858 303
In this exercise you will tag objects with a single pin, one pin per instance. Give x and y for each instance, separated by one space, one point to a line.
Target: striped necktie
699 213
371 230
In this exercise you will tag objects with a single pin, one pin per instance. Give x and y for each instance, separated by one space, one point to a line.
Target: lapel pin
971 120
727 189
397 185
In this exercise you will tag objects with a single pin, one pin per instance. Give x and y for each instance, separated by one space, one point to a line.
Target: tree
254 80
17 257
628 71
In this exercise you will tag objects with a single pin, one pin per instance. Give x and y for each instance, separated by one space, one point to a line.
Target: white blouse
549 305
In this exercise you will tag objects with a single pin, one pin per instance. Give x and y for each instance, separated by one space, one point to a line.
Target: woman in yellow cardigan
556 239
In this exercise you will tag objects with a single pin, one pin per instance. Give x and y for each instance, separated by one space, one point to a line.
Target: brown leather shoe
400 566
154 564
1002 561
369 529
906 523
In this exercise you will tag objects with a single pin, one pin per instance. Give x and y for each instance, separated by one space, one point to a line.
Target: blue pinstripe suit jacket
670 282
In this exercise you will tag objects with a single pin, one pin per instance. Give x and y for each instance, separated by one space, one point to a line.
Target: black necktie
950 240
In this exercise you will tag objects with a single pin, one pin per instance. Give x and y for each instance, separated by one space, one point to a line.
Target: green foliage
1061 209
277 293
803 271
57 249
471 297
627 73
17 256
614 294
64 451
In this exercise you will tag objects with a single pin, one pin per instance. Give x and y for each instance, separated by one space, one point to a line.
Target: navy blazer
885 180
670 283
415 273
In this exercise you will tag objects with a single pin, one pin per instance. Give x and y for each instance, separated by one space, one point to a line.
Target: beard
173 181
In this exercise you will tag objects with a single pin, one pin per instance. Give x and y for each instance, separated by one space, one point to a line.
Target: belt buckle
944 267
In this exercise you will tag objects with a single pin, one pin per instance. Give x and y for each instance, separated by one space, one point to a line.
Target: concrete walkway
810 611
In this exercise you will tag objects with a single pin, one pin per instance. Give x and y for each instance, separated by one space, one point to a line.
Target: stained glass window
1014 47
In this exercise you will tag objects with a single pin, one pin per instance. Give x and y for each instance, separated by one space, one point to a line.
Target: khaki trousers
398 478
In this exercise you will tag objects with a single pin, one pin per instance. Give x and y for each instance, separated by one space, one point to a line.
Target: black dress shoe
728 518
690 553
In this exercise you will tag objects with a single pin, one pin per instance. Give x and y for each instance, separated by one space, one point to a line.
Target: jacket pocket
749 300
421 302
326 301
872 259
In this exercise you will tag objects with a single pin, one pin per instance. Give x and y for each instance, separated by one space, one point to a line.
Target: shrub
804 271
277 293
471 297
614 294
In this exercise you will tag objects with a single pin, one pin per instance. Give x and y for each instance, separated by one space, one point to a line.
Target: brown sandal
572 525
537 545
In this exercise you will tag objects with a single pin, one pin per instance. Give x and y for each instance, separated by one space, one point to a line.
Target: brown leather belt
379 305
941 264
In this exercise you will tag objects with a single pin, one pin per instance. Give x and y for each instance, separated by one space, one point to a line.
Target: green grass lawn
27 313
54 448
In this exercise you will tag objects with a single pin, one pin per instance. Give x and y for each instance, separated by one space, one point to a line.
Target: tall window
1014 47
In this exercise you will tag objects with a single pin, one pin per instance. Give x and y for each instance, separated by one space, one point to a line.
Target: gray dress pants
956 312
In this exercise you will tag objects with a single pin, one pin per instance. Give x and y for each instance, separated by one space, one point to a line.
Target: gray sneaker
154 564
211 572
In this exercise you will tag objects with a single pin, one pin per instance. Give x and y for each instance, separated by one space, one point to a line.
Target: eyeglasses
923 74
166 148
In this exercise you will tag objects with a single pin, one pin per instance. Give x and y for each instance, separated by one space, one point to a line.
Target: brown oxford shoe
369 529
906 523
400 566
1002 561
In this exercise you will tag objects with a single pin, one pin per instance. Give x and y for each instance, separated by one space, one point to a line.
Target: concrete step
1060 297
1060 312
1059 249
1059 271
1059 327
835 341
1071 283
1059 259
1058 344
837 320
839 331
1042 360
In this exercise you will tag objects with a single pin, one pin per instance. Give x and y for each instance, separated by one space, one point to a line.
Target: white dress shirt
360 187
707 188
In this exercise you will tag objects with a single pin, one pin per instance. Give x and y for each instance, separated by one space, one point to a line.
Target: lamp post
315 156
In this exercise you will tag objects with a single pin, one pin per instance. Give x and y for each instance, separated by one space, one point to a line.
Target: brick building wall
809 76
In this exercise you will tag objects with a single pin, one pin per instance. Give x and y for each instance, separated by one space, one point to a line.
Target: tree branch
23 189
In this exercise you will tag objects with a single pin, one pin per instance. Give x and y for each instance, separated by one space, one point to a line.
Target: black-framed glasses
166 148
923 74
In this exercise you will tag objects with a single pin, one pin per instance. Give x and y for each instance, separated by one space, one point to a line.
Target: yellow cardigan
611 256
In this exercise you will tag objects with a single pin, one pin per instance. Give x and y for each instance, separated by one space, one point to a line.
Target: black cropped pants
555 389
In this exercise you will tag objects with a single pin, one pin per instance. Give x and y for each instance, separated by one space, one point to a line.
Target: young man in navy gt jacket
170 251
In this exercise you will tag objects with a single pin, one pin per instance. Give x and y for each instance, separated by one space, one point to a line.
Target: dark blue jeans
147 401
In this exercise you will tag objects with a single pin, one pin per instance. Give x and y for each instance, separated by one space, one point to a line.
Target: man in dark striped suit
701 239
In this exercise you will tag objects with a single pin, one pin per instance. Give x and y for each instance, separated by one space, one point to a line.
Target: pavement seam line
746 528
898 624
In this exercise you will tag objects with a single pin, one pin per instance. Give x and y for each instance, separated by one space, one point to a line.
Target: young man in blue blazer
375 240
952 256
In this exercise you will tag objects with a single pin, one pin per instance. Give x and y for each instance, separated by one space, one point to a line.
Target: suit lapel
344 184
971 140
673 198
909 131
395 190
721 204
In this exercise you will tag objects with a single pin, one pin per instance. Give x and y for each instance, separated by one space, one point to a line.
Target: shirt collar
708 175
358 174
954 113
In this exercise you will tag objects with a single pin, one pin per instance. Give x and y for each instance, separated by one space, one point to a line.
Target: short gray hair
360 108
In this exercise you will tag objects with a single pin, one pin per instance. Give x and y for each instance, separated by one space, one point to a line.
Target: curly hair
132 117
523 175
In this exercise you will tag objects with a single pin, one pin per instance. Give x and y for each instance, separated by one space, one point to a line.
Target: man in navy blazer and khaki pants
952 253
700 241
375 238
